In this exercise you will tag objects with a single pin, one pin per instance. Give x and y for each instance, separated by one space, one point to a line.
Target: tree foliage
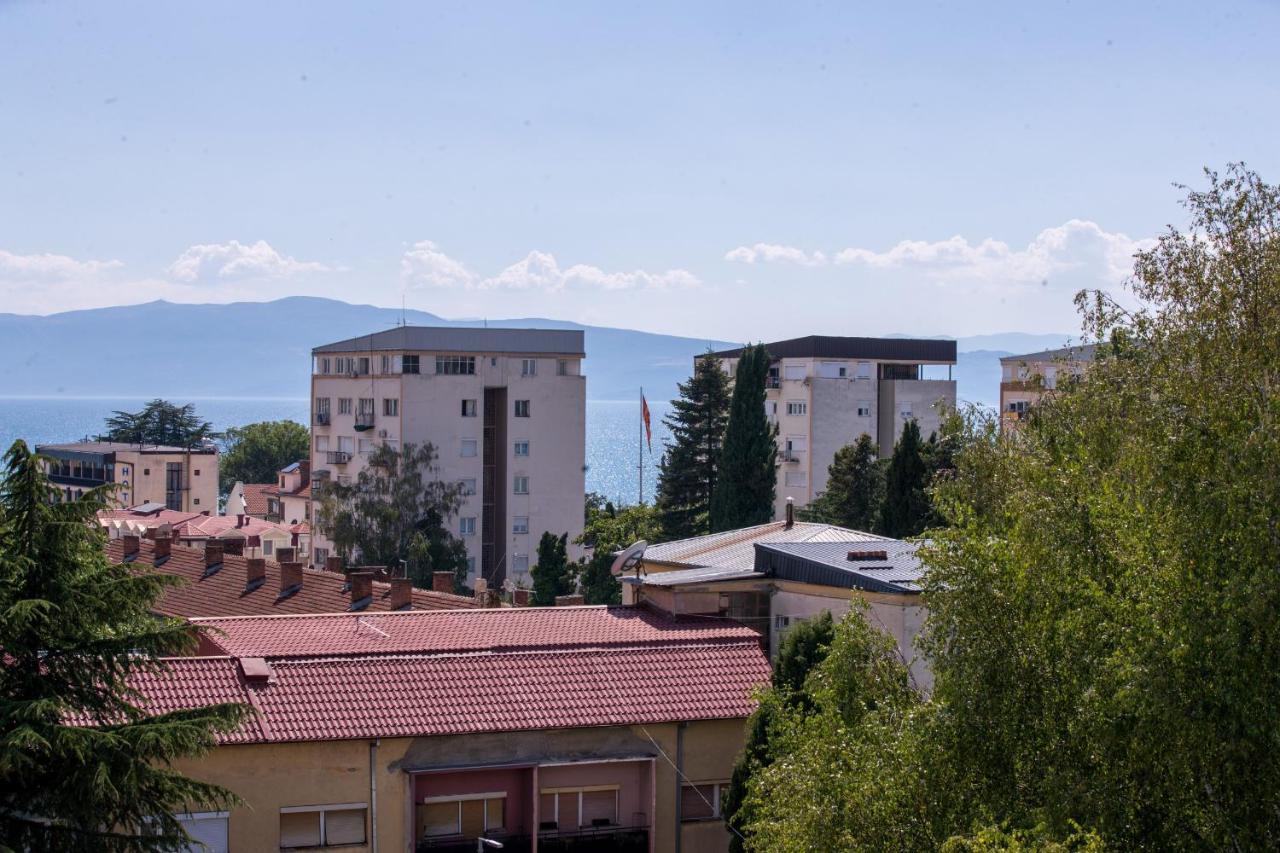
159 422
855 488
691 462
256 452
747 479
552 575
397 499
82 766
607 531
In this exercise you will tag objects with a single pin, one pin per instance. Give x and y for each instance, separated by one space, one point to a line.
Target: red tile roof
223 593
255 497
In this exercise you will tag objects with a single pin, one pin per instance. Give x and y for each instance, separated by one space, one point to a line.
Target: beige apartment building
504 408
168 477
824 392
1024 379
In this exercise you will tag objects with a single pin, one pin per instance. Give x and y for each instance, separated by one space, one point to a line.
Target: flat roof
455 339
1084 352
119 447
914 350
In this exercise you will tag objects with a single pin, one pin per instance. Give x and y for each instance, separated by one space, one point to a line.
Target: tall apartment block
179 478
504 408
824 392
1024 379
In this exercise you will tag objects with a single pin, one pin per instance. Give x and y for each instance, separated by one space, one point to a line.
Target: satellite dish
629 559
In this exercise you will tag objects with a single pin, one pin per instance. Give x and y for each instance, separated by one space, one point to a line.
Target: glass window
700 802
864 370
468 447
520 563
344 405
468 486
600 808
344 826
528 367
906 409
409 364
521 486
300 829
437 819
797 478
562 367
467 526
456 365
365 445
520 524
322 826
390 407
468 408
796 407
864 408
522 448
322 443
366 406
322 405
522 408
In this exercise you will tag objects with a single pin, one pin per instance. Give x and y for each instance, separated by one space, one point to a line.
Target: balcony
322 419
773 382
364 420
595 839
337 457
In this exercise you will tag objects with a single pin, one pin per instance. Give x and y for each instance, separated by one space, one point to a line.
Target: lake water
612 430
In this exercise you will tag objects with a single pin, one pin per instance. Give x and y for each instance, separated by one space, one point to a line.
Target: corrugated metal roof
450 339
828 564
733 548
885 349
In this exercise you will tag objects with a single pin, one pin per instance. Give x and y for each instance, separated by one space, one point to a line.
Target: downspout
373 795
679 776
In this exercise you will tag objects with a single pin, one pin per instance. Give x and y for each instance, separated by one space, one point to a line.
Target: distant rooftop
829 564
734 549
1081 353
452 339
915 350
120 446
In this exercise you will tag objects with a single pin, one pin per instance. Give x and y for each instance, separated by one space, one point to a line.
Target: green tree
905 510
396 498
744 488
607 531
255 453
552 575
159 422
855 488
82 765
690 464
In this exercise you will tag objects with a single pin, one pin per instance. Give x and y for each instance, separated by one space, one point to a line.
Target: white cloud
46 267
424 265
767 253
235 260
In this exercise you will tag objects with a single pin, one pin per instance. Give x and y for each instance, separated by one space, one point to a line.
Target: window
195 501
467 525
365 445
570 808
322 366
468 408
468 486
146 472
322 443
385 364
796 444
346 444
864 370
362 365
832 369
322 826
864 408
562 367
797 407
793 371
206 828
521 486
522 408
344 405
528 366
470 816
409 364
796 478
390 407
520 563
522 448
197 472
701 801
456 365
905 409
268 547
520 524
322 408
468 447
781 622
366 406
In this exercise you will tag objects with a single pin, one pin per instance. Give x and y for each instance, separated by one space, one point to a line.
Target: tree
396 498
159 422
255 453
551 576
690 464
855 488
82 765
905 509
607 531
744 488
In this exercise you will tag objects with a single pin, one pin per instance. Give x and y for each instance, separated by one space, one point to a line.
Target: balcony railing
364 419
322 419
337 457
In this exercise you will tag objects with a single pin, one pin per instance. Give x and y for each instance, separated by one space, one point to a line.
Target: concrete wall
146 479
923 396
836 422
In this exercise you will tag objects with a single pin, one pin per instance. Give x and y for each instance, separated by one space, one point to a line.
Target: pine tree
160 422
551 576
82 766
687 473
744 489
905 511
855 488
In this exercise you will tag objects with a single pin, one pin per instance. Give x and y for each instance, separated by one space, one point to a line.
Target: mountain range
262 349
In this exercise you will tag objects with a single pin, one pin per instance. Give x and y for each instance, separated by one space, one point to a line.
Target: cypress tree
687 473
82 765
551 576
905 511
855 488
744 489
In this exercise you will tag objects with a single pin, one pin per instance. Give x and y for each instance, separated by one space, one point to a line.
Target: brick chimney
131 544
285 555
333 563
233 546
361 589
379 572
163 546
290 578
569 600
520 598
255 573
442 581
212 557
401 594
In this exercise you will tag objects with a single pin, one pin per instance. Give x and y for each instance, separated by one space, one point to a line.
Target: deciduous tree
255 453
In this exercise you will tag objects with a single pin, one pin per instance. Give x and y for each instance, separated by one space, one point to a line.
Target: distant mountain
262 349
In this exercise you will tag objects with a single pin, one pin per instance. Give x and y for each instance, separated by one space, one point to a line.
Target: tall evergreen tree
744 489
552 575
82 766
159 422
687 472
905 511
855 488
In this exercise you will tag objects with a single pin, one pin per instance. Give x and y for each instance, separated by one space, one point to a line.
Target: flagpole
640 466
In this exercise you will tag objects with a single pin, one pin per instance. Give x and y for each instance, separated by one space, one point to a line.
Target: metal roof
104 447
828 564
1080 353
452 339
733 548
680 577
883 349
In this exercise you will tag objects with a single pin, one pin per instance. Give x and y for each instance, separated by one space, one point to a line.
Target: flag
644 415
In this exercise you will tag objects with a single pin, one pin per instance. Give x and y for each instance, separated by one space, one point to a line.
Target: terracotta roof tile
255 497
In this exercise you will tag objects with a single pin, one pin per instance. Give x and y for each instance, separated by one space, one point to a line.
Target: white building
824 392
504 408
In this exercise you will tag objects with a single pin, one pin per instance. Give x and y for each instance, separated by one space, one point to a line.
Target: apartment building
1024 379
824 392
504 408
176 478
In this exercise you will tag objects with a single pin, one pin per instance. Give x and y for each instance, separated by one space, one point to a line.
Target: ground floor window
323 826
468 816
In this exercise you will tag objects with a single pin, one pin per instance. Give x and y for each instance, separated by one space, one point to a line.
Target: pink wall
633 776
516 782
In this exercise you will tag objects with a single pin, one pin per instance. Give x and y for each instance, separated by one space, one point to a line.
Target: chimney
131 545
569 600
379 572
290 578
304 472
520 598
255 573
163 546
233 546
285 555
401 594
212 557
361 589
442 581
239 520
333 563
791 513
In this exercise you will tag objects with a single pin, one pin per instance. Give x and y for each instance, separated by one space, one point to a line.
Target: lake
612 430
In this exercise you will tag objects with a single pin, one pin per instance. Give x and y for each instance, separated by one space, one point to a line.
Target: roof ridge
502 651
416 613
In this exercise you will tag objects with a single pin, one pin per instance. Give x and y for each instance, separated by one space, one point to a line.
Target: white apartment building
824 392
504 408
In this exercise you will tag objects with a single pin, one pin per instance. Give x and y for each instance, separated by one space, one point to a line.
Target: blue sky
730 170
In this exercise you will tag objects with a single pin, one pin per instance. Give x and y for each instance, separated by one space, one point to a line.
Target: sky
730 170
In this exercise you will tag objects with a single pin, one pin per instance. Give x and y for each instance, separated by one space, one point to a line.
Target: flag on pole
644 414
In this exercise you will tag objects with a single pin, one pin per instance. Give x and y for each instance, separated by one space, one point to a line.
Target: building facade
825 392
505 410
176 478
1024 379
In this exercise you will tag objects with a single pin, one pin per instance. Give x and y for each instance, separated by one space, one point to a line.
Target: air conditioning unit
382 433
